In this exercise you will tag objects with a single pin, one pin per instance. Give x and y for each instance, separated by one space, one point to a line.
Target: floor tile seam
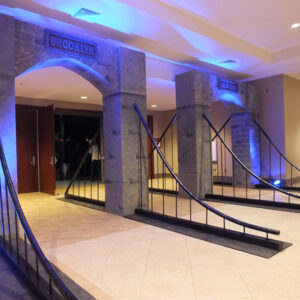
190 264
242 279
146 267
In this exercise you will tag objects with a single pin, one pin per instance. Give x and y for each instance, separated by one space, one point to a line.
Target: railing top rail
276 148
65 292
200 201
244 166
164 132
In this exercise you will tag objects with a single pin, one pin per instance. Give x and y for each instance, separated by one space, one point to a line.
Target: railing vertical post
140 167
164 179
17 236
246 184
8 218
225 157
270 168
172 154
98 174
222 170
2 214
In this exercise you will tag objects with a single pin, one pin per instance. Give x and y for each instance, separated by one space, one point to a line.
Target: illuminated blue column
126 183
7 111
7 93
245 139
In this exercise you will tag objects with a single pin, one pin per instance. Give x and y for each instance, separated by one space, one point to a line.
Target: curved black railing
87 178
247 170
56 288
281 156
164 133
201 201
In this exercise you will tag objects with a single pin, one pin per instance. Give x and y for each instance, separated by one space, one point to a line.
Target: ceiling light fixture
154 105
83 97
295 25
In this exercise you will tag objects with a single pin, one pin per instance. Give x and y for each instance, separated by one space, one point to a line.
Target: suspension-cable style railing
221 176
24 250
191 197
86 184
282 158
246 185
157 169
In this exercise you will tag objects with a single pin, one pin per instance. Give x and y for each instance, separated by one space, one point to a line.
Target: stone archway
118 73
195 91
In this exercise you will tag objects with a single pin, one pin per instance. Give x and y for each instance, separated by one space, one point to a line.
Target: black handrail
220 130
244 166
276 148
163 134
200 201
65 292
83 160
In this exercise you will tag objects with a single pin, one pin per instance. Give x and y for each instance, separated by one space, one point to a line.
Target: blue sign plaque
224 84
71 45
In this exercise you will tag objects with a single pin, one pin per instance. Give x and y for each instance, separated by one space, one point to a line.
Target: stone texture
118 73
245 144
193 98
125 174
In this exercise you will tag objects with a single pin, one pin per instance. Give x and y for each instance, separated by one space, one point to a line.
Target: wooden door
150 146
26 123
47 149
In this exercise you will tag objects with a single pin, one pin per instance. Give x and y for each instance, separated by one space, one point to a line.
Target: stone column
245 138
126 185
193 98
7 110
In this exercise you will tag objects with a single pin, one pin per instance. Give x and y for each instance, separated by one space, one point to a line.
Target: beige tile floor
116 258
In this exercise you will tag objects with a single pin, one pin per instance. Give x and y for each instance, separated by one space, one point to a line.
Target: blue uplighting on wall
228 97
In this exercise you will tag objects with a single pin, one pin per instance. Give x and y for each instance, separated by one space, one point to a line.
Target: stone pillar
126 184
193 98
7 109
245 138
7 94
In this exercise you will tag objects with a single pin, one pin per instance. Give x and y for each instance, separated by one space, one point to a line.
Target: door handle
33 162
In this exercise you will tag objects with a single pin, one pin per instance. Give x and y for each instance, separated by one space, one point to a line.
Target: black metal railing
222 175
187 206
87 183
160 180
244 180
20 244
276 158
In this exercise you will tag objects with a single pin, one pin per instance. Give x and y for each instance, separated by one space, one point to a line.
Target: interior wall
220 112
292 122
58 104
161 120
272 119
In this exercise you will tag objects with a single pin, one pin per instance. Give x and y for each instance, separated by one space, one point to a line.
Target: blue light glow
277 182
229 97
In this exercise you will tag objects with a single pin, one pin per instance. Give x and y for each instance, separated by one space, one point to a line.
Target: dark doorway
73 132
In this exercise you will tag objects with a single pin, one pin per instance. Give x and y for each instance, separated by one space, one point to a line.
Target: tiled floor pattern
11 287
116 258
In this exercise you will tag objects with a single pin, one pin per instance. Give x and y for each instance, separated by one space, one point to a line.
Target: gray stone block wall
193 97
126 174
118 73
245 144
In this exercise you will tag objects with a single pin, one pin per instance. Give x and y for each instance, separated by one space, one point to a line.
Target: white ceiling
178 35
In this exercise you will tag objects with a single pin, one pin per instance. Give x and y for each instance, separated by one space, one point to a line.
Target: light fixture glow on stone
295 25
83 97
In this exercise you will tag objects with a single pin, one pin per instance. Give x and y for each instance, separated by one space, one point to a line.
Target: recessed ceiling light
83 97
295 25
154 105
